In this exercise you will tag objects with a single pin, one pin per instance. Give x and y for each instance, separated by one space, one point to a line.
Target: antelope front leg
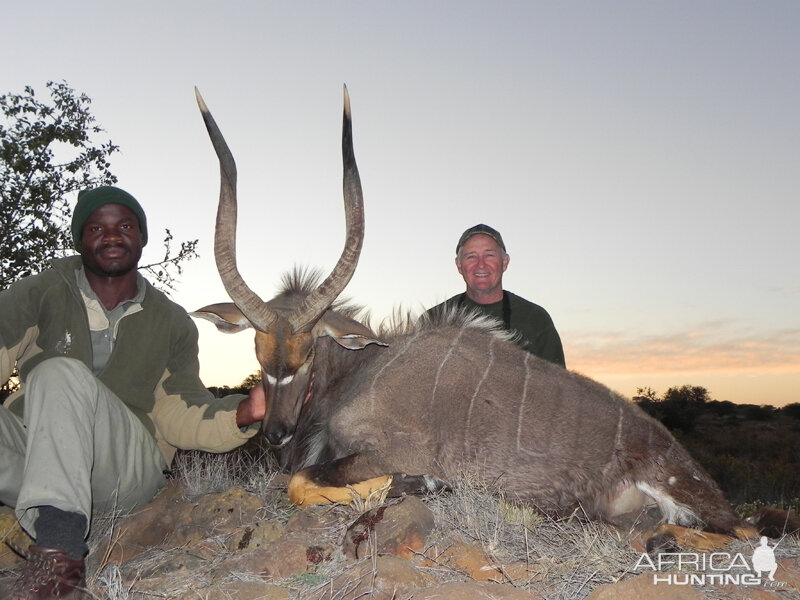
340 480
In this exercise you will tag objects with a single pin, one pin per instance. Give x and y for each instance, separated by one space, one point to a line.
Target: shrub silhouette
792 410
752 452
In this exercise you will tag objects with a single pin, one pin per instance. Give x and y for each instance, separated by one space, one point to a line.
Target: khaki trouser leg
12 456
84 449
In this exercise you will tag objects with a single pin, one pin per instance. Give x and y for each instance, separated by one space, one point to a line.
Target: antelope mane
301 281
404 322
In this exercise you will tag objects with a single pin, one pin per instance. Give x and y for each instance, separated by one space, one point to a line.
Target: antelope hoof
662 543
673 538
403 485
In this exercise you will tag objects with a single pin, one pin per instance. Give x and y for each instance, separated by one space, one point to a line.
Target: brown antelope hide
354 411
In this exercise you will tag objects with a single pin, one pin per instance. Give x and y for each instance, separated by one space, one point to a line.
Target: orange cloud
708 349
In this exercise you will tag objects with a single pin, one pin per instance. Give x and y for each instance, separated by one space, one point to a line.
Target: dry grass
564 558
203 473
558 558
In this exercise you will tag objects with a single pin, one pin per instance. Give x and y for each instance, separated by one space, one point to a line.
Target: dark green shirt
537 332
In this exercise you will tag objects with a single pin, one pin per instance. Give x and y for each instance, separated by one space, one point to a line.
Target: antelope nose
277 436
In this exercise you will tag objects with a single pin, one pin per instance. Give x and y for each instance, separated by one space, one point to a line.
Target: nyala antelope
354 411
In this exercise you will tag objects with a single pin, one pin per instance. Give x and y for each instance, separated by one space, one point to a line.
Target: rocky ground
225 530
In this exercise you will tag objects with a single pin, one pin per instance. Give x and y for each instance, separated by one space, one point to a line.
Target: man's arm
550 347
538 330
185 413
16 326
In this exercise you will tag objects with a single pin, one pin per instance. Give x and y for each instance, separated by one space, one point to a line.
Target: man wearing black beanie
109 390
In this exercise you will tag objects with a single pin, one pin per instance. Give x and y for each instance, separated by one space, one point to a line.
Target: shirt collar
86 288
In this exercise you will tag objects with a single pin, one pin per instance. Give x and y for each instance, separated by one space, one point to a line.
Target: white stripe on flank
617 443
522 402
374 383
453 344
478 389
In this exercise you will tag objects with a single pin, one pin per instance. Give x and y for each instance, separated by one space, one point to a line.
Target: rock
228 589
789 573
176 563
227 545
255 535
473 590
738 592
247 590
470 560
144 528
384 578
16 540
274 562
9 558
232 507
399 528
213 514
317 519
172 521
642 587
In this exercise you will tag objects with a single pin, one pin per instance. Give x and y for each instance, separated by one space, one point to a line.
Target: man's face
481 262
111 242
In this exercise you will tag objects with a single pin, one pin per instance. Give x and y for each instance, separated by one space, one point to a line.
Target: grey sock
56 528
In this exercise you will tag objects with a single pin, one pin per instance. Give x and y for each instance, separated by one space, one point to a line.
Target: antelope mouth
283 442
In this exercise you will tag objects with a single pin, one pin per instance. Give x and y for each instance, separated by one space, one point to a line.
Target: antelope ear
356 342
348 333
225 315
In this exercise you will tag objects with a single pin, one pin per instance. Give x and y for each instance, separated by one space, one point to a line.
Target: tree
792 410
679 407
649 402
49 152
687 394
647 394
247 384
251 381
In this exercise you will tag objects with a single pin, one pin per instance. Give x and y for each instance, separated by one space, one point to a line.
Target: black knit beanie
91 200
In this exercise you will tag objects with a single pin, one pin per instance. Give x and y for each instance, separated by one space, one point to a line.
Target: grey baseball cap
482 229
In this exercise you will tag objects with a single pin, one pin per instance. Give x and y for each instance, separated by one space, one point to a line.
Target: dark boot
49 574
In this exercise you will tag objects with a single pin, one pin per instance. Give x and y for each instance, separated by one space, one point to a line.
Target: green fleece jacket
153 368
537 333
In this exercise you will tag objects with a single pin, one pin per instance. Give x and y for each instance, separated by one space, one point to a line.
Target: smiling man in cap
481 259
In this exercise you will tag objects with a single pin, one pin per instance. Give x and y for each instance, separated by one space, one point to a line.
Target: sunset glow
639 159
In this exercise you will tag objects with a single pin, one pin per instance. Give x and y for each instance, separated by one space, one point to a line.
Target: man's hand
253 408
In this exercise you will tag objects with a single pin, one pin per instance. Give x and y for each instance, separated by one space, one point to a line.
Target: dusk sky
639 159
